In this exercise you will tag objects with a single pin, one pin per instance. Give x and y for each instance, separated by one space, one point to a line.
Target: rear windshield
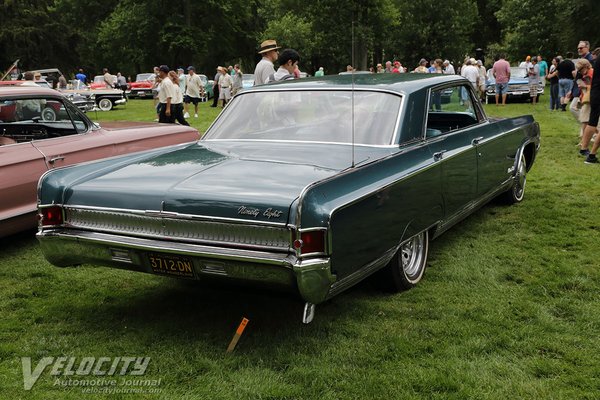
307 115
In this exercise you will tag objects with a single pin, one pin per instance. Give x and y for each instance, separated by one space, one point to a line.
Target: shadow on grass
170 312
14 244
173 313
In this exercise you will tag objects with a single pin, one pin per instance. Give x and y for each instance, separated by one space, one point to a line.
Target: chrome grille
519 88
179 228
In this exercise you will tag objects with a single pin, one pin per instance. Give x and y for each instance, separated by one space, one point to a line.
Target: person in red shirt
501 71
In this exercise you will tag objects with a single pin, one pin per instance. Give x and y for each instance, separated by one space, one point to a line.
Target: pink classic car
41 130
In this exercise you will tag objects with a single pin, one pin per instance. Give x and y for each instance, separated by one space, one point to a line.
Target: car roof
46 70
28 91
401 83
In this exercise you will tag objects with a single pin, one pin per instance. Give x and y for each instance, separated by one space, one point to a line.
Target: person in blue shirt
81 76
543 69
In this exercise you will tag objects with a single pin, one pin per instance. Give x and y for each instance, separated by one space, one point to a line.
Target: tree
431 29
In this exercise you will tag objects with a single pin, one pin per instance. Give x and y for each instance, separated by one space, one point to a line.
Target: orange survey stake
242 326
237 335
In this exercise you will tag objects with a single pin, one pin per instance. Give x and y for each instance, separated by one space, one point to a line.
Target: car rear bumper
312 279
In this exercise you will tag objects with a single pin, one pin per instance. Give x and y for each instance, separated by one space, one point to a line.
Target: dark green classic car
310 185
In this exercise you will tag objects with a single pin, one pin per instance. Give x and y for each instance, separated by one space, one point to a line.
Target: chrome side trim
362 273
471 207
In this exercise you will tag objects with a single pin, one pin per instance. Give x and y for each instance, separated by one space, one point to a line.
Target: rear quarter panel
371 209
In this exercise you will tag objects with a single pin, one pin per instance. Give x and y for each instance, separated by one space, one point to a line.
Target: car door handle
438 156
55 159
476 141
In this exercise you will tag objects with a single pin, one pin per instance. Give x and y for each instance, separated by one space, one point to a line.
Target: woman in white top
177 101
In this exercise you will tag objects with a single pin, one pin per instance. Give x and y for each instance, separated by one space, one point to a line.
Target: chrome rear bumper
311 278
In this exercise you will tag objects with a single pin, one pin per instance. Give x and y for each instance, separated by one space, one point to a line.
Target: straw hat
267 46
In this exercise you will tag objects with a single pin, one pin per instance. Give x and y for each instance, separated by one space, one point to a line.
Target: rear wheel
48 114
517 191
105 104
408 265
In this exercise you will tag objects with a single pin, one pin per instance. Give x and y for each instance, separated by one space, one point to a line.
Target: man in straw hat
265 67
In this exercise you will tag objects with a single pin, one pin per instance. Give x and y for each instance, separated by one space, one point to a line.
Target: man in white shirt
265 67
192 92
166 94
448 68
471 72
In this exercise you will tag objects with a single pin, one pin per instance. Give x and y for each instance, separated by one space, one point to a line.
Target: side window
450 109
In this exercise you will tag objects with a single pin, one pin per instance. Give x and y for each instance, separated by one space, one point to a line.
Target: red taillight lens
311 242
51 216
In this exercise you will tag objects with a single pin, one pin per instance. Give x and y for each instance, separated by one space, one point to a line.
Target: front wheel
105 104
408 265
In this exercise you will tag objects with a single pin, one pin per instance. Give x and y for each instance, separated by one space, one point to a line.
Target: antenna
10 69
352 108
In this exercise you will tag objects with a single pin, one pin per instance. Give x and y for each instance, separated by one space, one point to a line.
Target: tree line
132 36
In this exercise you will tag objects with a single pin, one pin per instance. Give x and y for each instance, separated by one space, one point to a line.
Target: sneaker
591 159
584 152
186 115
195 115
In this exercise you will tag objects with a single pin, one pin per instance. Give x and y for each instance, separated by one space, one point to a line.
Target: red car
142 87
99 83
41 130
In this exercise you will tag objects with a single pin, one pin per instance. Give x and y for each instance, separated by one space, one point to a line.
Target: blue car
518 86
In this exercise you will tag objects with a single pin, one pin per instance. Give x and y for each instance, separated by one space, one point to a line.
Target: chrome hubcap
411 254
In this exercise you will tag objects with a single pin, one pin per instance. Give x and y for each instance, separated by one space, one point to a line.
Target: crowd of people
571 83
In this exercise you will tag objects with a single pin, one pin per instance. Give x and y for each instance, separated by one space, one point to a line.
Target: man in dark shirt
565 81
592 126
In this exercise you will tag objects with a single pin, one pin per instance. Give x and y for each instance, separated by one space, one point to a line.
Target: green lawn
509 308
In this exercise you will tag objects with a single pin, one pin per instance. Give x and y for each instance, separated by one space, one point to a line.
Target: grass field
508 309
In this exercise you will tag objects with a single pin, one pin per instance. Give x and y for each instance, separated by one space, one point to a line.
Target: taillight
311 242
50 216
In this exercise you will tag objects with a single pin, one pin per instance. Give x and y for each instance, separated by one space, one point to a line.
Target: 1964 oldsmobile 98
276 191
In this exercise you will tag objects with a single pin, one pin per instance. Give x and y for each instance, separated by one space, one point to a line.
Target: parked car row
142 87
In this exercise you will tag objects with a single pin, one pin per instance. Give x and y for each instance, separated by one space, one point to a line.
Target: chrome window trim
394 137
383 146
482 118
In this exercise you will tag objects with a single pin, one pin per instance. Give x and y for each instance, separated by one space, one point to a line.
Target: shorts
501 88
584 114
564 87
189 99
225 93
533 89
594 113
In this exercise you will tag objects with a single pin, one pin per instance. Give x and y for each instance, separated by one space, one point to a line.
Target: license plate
166 264
141 94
